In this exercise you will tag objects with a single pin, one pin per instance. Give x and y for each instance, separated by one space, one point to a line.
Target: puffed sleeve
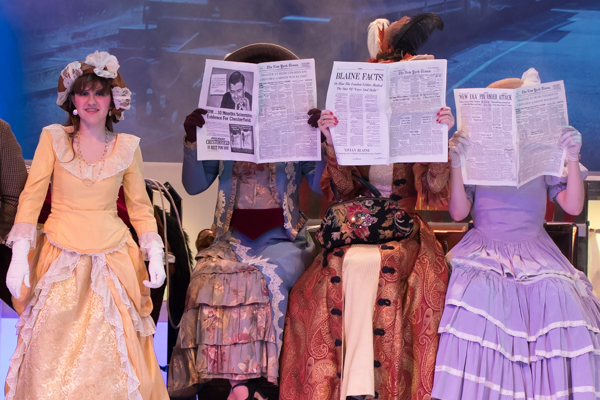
556 184
313 172
197 176
33 195
470 191
341 176
433 185
139 207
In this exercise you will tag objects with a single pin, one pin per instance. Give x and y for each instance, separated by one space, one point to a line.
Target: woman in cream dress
85 330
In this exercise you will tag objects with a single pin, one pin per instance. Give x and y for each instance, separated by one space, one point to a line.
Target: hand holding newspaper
257 112
387 112
514 133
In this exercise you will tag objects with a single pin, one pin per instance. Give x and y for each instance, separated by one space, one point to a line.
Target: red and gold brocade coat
410 299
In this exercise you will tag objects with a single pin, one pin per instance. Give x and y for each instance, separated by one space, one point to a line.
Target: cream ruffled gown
85 330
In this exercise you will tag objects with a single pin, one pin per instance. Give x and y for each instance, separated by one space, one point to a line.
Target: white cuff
22 231
149 240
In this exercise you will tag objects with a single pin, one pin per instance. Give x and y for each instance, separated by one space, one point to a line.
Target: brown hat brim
261 52
508 83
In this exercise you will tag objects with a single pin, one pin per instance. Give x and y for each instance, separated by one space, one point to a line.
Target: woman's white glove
18 271
457 146
571 140
156 268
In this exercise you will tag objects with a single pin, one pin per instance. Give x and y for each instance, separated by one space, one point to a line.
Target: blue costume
236 302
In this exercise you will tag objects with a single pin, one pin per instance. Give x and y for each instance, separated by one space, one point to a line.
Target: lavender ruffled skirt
520 322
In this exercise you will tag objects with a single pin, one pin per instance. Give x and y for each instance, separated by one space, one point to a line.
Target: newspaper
387 112
257 112
514 133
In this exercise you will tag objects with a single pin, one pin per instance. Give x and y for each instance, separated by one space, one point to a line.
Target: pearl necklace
88 181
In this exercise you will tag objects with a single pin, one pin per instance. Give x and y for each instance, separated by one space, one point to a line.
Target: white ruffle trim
69 74
522 334
118 161
61 269
513 394
22 231
121 97
480 380
539 355
275 282
149 240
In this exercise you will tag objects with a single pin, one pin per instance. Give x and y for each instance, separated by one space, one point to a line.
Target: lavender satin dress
520 322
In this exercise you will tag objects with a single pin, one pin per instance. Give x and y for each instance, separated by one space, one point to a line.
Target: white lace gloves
156 268
571 140
457 146
18 271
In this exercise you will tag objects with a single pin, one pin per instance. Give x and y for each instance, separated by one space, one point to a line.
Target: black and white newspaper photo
257 112
514 133
387 112
229 95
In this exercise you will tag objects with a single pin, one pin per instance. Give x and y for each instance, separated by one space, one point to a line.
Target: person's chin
93 118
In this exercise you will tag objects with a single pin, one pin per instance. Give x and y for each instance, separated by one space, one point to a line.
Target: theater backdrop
162 45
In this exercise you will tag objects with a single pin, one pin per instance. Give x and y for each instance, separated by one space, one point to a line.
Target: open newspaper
257 112
387 112
514 133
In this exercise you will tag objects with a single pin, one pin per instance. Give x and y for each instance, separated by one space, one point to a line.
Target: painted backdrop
162 45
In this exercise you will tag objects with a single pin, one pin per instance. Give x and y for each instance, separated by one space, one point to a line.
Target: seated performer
520 322
237 298
362 320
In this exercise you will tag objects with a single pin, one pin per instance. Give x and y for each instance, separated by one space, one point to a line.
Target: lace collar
119 160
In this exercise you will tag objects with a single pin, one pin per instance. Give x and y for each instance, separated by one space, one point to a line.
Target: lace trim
100 271
149 240
539 354
521 334
22 231
100 275
220 208
381 176
275 283
288 203
140 324
69 74
118 161
516 395
191 146
106 65
61 269
121 98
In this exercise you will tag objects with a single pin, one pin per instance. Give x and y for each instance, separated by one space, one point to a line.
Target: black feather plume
415 33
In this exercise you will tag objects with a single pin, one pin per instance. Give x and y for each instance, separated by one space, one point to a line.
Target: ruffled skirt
519 322
81 336
235 309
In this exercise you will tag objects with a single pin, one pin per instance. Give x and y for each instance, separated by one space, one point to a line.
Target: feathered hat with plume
401 39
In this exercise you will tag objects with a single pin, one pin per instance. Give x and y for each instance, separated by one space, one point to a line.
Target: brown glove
313 117
195 119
